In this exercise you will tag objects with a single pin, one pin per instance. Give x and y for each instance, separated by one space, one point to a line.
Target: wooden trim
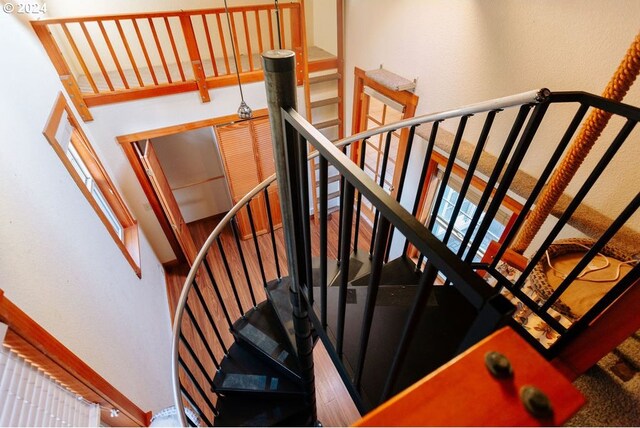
207 180
340 25
463 392
175 129
129 244
30 340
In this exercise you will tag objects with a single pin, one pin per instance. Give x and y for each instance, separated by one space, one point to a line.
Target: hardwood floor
335 407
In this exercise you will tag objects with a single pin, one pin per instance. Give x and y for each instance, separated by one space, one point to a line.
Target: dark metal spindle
363 150
422 183
484 134
195 383
383 173
305 220
324 194
447 171
495 174
403 175
593 252
506 180
372 294
195 358
232 282
216 289
345 251
272 233
257 245
573 126
425 286
201 335
344 150
577 199
209 316
197 408
236 236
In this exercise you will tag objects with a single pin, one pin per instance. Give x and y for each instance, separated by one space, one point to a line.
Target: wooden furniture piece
464 393
32 342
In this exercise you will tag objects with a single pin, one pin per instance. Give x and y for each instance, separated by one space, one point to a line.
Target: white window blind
28 397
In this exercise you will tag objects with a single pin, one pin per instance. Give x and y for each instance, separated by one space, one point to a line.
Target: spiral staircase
243 342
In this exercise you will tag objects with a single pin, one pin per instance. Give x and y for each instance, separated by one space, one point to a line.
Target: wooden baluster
236 47
129 54
92 46
113 55
259 31
78 55
194 55
61 66
209 44
155 38
282 33
270 19
175 49
144 51
224 45
248 39
296 41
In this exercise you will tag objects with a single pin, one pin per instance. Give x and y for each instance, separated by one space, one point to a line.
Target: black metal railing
230 273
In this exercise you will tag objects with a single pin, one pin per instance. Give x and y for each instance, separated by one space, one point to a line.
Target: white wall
192 157
58 262
468 51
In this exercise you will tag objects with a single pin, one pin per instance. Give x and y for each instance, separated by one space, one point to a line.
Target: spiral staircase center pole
280 79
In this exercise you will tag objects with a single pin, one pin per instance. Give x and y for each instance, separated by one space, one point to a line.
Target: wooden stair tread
330 180
325 102
324 78
327 124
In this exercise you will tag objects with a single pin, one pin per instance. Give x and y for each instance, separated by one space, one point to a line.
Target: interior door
165 194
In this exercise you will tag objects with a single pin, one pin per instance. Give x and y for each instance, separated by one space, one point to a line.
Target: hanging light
244 111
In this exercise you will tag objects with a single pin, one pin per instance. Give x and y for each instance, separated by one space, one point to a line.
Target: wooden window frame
129 243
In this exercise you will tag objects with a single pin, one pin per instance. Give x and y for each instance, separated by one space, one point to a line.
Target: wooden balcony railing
108 59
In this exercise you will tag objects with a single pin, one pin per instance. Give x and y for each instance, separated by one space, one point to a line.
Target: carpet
612 389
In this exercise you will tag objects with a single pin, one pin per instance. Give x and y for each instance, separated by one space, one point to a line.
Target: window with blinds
28 397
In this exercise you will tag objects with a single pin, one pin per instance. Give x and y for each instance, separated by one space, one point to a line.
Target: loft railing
215 294
113 58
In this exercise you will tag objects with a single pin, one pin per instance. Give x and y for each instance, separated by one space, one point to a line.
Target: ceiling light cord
244 111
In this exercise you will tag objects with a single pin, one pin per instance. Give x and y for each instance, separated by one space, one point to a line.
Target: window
463 220
72 146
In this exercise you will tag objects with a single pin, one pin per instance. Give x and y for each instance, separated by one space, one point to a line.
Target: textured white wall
468 51
58 262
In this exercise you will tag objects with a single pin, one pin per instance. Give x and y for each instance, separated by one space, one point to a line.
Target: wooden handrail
114 58
31 341
464 393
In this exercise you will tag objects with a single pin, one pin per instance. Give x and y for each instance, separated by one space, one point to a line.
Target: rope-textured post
617 88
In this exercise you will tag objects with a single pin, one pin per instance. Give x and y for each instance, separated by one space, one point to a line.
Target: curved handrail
535 96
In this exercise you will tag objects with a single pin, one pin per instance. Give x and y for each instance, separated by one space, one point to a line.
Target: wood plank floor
335 407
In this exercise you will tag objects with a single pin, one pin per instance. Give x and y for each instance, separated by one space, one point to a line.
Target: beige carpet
612 389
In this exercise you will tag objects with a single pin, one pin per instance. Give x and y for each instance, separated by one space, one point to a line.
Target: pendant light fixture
244 111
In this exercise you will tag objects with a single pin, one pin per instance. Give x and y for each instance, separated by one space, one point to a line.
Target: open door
170 205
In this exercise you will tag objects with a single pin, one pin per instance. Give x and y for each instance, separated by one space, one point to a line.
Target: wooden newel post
591 130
